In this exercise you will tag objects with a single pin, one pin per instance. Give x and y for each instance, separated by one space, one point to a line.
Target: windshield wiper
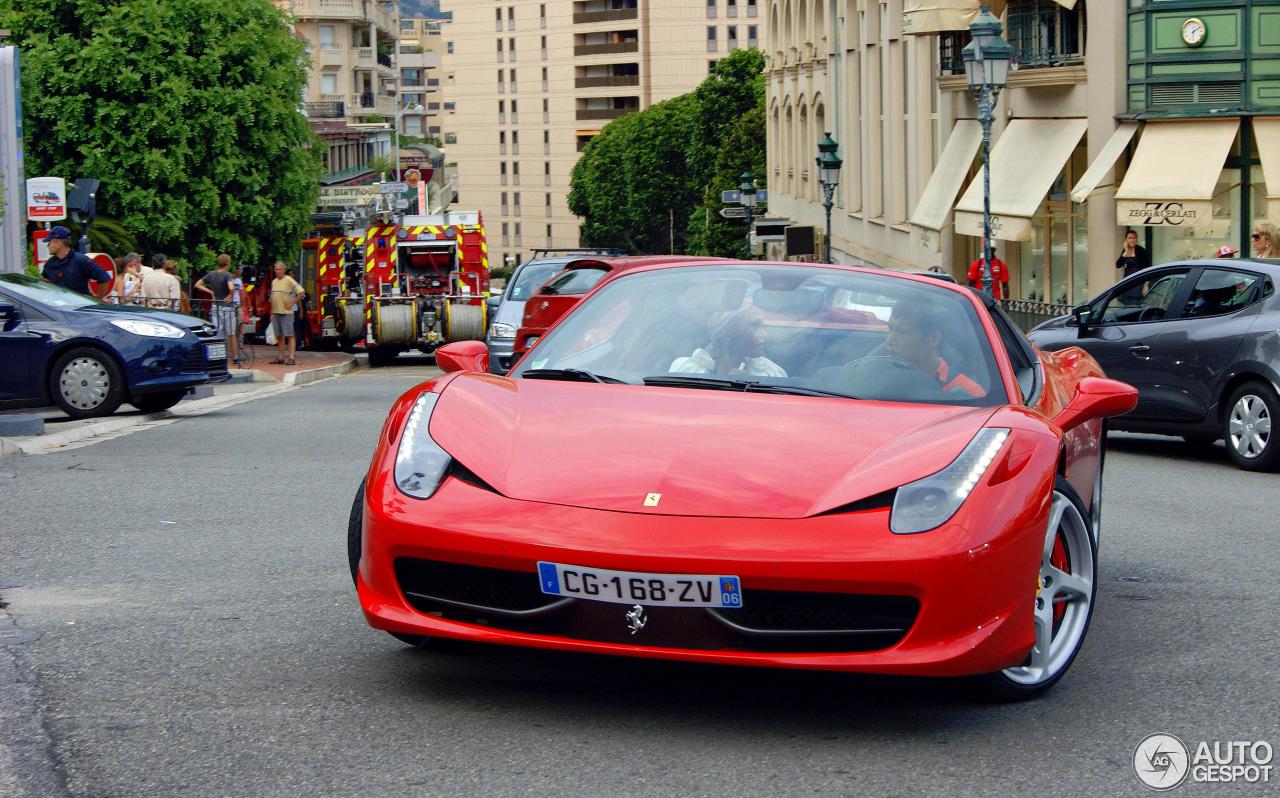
578 375
723 384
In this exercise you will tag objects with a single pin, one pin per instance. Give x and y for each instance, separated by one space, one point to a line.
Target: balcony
326 110
364 58
330 54
603 113
607 49
606 81
384 60
587 17
370 104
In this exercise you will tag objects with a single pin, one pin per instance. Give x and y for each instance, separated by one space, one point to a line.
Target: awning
934 208
1174 172
1025 161
1106 159
921 17
1266 135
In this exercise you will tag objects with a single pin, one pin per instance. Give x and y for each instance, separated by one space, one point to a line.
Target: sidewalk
262 380
310 367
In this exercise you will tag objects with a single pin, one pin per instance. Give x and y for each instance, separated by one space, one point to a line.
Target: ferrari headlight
930 502
502 332
148 329
420 462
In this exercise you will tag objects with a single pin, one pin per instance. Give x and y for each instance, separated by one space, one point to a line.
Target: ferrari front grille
770 620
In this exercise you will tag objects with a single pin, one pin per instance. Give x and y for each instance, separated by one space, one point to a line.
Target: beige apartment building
532 82
424 108
351 90
1157 115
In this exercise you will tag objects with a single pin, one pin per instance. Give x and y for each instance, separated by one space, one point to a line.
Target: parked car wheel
86 382
155 402
1064 601
1247 427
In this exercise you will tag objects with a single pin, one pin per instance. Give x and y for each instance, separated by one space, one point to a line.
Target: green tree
187 110
650 182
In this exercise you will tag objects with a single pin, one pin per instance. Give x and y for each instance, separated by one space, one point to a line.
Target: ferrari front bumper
970 586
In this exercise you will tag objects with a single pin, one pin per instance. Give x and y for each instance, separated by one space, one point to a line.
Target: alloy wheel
1064 595
1249 427
84 383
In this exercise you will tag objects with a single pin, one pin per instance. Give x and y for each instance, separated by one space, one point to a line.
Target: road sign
46 199
762 197
731 197
347 196
402 204
393 188
733 213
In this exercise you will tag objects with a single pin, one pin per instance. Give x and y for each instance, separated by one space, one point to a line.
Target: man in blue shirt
69 268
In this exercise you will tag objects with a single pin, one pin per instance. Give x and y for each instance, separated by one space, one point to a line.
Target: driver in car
915 336
735 346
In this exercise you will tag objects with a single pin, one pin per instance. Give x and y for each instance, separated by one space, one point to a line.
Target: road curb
111 426
311 375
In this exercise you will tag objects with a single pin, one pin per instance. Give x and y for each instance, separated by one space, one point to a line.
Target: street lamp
748 191
986 68
829 176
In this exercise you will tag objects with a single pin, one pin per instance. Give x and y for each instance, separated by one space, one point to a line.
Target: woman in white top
127 289
735 346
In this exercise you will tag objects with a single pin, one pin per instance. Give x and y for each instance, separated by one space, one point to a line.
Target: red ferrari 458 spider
783 465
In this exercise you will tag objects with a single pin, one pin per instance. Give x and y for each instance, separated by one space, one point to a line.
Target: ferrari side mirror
1082 317
463 356
1096 397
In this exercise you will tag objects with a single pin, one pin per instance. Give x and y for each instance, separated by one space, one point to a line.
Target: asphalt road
199 636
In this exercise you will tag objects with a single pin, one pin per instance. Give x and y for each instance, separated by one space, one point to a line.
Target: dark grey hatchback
1200 340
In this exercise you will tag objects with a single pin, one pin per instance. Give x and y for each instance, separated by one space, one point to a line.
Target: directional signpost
734 212
393 188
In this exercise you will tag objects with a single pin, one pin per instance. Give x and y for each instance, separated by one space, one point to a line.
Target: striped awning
920 17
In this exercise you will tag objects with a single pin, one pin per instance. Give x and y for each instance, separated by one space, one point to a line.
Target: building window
326 38
511 48
500 51
450 138
752 34
518 242
1044 34
328 83
516 204
512 78
511 18
711 9
711 66
449 106
711 38
448 47
731 35
502 87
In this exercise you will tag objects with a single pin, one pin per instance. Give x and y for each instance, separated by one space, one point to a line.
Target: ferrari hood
704 452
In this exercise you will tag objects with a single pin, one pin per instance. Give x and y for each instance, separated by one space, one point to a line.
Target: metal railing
1044 34
1028 314
327 110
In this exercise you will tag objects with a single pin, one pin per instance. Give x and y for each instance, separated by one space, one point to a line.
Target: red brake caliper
1062 562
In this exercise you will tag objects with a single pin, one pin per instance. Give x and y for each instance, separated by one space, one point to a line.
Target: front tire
1247 427
1067 587
355 536
86 382
156 402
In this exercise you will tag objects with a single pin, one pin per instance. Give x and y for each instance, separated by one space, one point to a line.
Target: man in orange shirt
914 336
999 275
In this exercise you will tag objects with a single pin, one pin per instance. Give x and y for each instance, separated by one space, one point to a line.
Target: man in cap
68 267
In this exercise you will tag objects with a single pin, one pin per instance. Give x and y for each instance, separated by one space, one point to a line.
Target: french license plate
651 590
216 351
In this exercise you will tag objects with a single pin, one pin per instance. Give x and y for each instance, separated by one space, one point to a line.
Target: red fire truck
414 285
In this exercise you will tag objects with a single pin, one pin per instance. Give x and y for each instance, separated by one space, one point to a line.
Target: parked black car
89 356
1200 340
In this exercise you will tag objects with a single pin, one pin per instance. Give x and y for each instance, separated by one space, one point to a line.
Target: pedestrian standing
69 268
237 303
1133 257
128 285
1265 240
222 310
285 296
161 288
999 275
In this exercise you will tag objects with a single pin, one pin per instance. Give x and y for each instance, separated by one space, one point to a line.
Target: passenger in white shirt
735 347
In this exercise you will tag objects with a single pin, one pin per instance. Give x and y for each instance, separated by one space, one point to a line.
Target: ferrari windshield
780 329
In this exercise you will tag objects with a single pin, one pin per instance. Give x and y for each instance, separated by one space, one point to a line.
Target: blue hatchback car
88 356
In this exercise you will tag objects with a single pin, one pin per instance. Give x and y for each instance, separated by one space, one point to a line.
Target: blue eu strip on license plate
630 587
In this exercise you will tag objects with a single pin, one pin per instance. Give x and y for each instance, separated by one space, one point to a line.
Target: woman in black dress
1133 258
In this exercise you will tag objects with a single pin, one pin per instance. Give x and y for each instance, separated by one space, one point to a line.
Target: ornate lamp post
748 191
829 176
986 68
